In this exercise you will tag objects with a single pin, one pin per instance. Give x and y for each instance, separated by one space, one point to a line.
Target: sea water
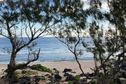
51 50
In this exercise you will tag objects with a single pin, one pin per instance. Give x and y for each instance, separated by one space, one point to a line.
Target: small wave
46 52
55 52
4 62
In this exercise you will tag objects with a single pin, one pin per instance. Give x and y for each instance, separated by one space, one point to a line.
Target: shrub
70 82
77 78
93 81
28 72
39 67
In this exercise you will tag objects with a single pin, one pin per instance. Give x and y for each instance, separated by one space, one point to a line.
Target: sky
104 8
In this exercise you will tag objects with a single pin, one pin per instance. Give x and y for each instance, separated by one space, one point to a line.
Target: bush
70 82
39 67
93 81
77 78
28 73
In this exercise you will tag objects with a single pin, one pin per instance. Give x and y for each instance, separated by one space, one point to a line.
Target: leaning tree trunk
78 63
11 68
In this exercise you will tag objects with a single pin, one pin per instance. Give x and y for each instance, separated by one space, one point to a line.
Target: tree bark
103 66
11 68
78 63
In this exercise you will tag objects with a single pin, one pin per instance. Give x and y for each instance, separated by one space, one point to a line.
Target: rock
47 76
123 74
123 66
38 78
69 77
117 81
66 74
25 80
3 81
122 80
57 77
81 75
83 80
92 74
55 71
87 75
73 72
67 70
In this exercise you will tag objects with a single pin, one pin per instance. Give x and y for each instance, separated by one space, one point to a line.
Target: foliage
67 20
109 45
77 78
69 29
39 67
29 18
93 81
70 82
28 72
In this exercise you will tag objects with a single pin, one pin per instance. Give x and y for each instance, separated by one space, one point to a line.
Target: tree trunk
11 68
78 63
103 66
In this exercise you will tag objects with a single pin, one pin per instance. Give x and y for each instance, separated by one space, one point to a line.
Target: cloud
104 7
86 4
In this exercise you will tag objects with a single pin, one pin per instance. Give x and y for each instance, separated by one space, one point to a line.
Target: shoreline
61 65
6 62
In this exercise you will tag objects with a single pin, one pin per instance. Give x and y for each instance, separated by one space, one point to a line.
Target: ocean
51 50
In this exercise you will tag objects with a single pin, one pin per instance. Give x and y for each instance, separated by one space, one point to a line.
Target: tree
117 17
106 46
32 19
70 29
109 48
23 18
73 43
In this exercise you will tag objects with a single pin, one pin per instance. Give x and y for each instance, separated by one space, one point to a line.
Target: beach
61 65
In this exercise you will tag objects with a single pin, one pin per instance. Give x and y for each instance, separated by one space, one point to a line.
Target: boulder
69 77
57 77
25 80
67 70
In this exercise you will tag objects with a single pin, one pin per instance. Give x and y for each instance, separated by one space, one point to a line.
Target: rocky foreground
63 72
58 73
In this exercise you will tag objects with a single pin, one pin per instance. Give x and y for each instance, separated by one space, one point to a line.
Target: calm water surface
51 50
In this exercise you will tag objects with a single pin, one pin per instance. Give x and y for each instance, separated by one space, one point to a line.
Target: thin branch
5 36
36 56
27 33
110 55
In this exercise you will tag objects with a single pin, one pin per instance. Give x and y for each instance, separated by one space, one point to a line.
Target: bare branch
36 56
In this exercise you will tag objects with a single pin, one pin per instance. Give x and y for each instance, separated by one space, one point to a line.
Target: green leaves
71 39
39 1
39 67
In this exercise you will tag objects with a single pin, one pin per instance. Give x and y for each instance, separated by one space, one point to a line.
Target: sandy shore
60 65
2 69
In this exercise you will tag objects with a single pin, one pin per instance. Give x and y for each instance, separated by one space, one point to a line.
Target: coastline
61 65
